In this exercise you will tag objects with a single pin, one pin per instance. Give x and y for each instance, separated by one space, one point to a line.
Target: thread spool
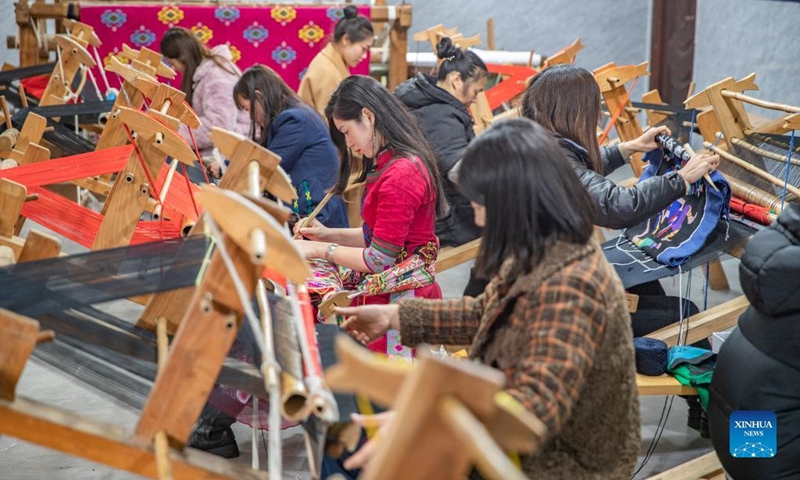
8 139
294 398
8 163
187 226
7 256
258 245
651 356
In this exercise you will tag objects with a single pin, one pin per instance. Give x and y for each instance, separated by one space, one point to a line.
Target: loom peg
165 107
45 336
161 448
165 188
159 138
32 197
258 246
254 178
129 178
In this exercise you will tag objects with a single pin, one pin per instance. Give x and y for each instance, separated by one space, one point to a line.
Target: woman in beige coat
352 39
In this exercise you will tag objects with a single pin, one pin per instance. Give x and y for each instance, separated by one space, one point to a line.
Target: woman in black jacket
758 367
565 99
441 107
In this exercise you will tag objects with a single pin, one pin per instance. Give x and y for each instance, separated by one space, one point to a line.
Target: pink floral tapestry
283 37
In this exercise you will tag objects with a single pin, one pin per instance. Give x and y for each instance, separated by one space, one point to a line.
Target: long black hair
352 25
565 99
276 96
183 45
517 170
466 63
397 127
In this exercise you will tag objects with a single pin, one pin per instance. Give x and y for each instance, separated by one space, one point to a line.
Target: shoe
704 432
213 433
695 415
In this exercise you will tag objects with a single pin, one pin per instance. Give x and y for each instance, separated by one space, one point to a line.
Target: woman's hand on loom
214 169
314 231
362 457
647 141
699 165
368 322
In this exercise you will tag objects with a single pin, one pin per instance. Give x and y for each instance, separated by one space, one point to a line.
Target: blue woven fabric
676 233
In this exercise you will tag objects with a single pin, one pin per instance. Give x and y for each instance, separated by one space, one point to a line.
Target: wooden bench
703 324
449 257
706 467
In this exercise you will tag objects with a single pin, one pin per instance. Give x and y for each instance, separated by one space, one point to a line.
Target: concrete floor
22 461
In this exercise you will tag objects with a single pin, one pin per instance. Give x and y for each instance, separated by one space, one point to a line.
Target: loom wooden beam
612 79
39 246
792 122
706 467
452 256
729 111
359 371
565 55
148 57
132 189
701 98
12 197
398 46
662 385
19 336
273 178
437 401
30 136
241 151
654 116
107 443
28 47
82 33
114 134
703 324
73 57
160 94
211 322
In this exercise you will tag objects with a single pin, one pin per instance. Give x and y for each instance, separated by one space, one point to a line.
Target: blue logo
753 434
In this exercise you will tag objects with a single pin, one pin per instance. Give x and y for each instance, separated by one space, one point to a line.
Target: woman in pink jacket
208 80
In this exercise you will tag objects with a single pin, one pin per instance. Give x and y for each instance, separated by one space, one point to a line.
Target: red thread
199 157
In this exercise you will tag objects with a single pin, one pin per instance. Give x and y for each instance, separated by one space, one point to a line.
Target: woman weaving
553 317
400 202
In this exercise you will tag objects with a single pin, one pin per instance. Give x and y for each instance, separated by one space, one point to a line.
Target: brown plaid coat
562 336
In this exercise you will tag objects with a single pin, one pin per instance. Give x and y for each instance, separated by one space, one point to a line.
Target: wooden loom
515 80
181 389
728 116
437 402
244 155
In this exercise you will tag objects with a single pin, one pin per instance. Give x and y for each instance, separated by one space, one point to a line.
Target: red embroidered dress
399 212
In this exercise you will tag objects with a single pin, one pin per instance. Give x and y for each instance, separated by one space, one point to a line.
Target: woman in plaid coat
553 317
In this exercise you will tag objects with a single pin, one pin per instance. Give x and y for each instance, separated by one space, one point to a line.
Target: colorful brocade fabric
283 37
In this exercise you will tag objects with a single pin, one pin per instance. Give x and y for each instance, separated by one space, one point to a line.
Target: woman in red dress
392 256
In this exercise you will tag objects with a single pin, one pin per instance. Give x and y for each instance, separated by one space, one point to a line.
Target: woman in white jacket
208 80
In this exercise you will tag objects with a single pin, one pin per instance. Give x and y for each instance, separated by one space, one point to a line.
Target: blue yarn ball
651 356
